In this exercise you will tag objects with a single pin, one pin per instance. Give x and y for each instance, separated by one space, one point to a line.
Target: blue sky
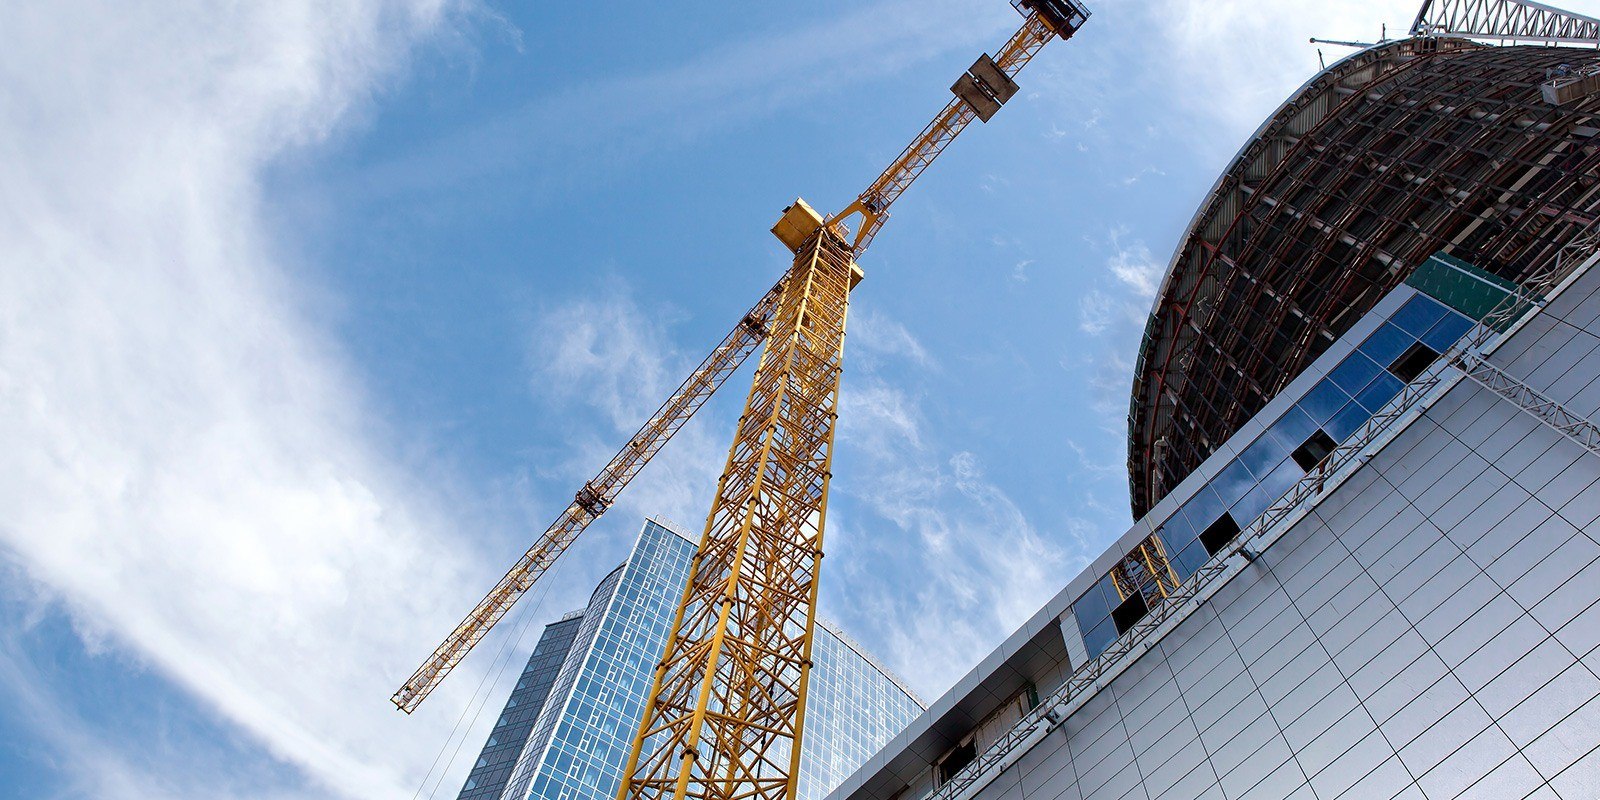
311 312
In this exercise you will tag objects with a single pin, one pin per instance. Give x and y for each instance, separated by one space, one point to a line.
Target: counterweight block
985 87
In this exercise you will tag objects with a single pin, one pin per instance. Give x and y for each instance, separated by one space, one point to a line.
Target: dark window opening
1129 612
958 759
1311 453
1413 361
1217 535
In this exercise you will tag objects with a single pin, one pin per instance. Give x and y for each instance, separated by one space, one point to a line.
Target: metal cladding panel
1457 564
1386 158
1430 628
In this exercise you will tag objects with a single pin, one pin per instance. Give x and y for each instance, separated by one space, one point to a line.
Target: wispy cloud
579 133
168 763
936 557
1142 174
189 468
1241 58
1019 273
603 350
875 337
1134 266
1094 312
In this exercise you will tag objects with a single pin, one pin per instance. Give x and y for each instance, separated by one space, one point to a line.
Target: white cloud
1236 60
598 127
874 337
1019 273
1135 267
188 469
962 567
606 351
937 561
1094 312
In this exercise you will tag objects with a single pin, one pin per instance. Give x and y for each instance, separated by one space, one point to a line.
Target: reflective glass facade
579 746
853 708
1334 408
510 734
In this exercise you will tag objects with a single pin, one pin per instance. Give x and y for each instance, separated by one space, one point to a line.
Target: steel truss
1525 397
726 706
1476 365
1393 155
1505 21
1260 534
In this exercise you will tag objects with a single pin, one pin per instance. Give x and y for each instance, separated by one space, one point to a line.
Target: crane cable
477 703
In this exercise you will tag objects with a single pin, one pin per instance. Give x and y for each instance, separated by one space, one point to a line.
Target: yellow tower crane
726 708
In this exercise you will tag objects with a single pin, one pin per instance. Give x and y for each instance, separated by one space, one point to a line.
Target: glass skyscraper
588 713
510 734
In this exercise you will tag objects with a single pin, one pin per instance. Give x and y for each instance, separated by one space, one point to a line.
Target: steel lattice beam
725 711
1505 21
1530 400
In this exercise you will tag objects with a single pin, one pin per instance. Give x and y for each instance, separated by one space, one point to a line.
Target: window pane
1386 344
1354 373
1232 482
1262 454
1191 558
1090 608
1418 315
1323 401
1291 429
1247 509
1380 392
1176 532
1099 638
1447 332
1347 421
1284 476
1203 509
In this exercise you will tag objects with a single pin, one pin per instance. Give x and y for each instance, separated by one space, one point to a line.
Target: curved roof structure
1395 153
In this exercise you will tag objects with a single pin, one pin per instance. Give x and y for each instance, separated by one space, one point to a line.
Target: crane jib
771 501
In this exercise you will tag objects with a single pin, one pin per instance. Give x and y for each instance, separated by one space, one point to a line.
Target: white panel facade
1430 630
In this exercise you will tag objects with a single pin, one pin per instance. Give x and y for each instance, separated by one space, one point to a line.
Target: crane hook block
985 87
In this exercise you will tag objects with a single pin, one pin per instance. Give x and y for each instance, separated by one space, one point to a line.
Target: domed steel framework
1398 152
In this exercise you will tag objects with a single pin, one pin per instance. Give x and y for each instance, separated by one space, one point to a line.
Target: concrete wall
1430 630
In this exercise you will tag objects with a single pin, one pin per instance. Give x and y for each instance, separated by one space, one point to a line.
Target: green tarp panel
1460 285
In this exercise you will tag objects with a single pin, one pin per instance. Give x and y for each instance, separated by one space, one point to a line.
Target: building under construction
1429 144
1364 460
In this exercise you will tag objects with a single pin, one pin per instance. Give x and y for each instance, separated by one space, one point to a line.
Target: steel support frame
727 704
1579 429
1498 149
1505 21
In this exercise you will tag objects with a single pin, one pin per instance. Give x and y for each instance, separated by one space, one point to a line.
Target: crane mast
726 709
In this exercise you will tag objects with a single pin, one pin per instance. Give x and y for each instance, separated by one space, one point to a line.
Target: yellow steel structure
726 708
1145 566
